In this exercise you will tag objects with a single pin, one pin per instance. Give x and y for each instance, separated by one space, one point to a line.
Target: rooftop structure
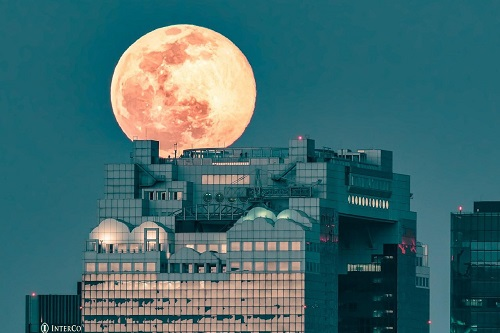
255 240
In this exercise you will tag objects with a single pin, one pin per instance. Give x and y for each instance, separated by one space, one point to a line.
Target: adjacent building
475 269
53 313
293 239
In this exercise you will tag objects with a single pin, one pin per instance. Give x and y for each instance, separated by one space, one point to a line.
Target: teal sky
418 78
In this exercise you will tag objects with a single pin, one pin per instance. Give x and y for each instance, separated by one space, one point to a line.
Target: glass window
271 266
284 266
235 246
271 246
201 248
126 267
191 246
247 266
213 247
259 266
295 246
235 266
103 266
283 246
114 267
90 267
259 246
151 266
138 267
295 265
223 248
247 246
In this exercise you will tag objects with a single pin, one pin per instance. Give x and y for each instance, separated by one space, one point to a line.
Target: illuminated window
213 247
103 267
259 266
283 246
235 246
247 266
114 267
90 267
150 266
295 246
247 246
259 246
283 266
271 246
235 266
223 248
271 266
201 248
295 265
138 267
126 267
191 246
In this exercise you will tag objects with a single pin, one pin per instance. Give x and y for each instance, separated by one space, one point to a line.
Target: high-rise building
53 313
475 269
293 239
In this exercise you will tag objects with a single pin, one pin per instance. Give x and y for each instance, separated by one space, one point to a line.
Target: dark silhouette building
475 269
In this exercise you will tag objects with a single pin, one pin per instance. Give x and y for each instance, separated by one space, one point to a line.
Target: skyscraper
293 239
475 269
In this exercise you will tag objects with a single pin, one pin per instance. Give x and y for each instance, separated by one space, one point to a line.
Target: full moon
185 86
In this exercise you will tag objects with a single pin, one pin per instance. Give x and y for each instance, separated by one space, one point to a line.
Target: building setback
293 239
475 269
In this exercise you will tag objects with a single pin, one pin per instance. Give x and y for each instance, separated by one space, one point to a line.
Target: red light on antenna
300 137
460 208
429 322
33 294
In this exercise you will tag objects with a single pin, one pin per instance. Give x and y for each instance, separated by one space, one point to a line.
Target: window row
364 268
163 195
422 282
104 267
225 179
219 248
270 266
367 202
266 246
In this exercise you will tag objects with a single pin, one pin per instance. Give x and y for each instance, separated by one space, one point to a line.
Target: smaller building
475 269
53 313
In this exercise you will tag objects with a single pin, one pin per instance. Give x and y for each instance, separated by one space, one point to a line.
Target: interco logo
46 328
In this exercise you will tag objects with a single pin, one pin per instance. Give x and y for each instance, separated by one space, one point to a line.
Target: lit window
114 267
151 266
271 246
90 267
247 246
126 267
271 266
259 246
283 246
201 248
283 266
138 267
213 247
235 246
247 266
223 248
259 266
235 266
295 246
191 246
103 266
295 265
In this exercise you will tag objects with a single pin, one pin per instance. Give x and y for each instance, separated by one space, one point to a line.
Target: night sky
418 78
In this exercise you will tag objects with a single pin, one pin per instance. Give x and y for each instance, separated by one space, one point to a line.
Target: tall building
53 313
475 269
293 239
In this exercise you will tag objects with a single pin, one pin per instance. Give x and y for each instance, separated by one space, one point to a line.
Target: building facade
53 313
475 269
255 240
